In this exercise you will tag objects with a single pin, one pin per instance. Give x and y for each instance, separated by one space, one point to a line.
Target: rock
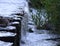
22 42
30 30
3 22
58 45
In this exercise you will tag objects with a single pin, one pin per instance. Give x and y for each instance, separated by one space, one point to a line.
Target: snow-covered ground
2 43
33 39
7 8
38 37
41 43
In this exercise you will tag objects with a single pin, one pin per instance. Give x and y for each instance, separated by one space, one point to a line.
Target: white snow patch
32 37
41 43
2 43
13 23
17 18
10 27
12 1
6 34
8 7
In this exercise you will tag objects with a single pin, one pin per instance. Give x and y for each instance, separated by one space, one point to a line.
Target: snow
41 43
13 23
17 18
38 37
10 1
35 37
11 27
8 7
8 27
7 10
6 34
30 22
2 43
31 26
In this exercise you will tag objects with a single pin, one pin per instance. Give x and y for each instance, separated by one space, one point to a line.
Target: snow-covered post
25 22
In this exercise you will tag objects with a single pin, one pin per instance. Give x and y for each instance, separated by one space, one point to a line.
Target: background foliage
52 8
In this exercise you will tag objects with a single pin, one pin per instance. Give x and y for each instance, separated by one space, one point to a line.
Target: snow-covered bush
37 20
